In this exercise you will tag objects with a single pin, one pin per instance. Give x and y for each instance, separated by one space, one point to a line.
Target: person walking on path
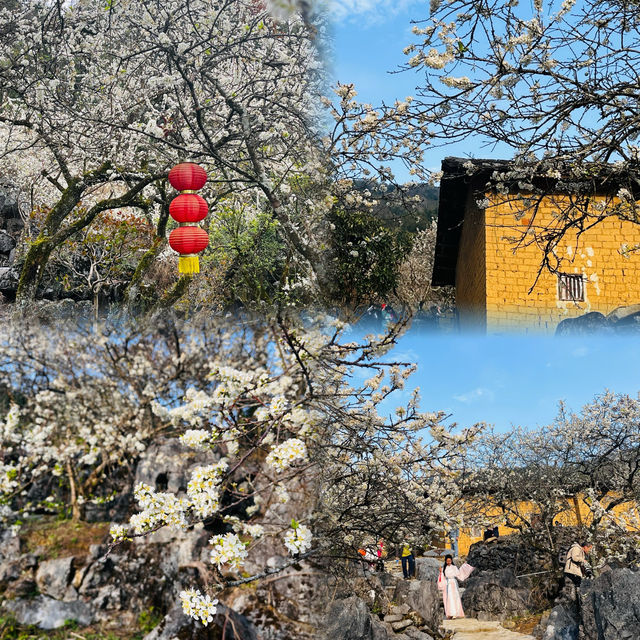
576 567
407 560
448 584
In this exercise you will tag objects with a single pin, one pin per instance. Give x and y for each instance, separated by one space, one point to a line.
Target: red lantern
188 207
187 176
188 241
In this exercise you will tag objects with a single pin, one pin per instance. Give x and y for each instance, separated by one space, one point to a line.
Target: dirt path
472 629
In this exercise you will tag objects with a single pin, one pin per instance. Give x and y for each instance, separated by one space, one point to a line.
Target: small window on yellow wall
571 287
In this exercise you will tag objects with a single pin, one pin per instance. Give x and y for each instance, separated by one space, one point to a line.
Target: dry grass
526 624
61 538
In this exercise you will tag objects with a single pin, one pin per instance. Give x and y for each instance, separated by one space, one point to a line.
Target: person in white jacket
576 567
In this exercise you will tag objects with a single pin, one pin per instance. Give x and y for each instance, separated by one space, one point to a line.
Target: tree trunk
75 507
132 292
33 270
171 297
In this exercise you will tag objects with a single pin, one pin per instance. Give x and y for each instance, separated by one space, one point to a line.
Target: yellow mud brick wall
627 512
611 275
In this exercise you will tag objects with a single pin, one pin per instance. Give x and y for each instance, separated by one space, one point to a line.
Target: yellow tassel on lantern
188 264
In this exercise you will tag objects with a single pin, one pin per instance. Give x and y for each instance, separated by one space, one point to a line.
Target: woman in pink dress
448 584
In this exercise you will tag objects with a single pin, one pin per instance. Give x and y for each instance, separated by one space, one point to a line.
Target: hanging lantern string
187 209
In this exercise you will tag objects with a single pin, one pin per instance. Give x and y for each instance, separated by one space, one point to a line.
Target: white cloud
479 393
580 352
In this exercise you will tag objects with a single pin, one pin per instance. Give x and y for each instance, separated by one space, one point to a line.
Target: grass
526 623
61 538
148 620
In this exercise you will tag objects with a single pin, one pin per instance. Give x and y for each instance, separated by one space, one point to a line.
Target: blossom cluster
228 549
298 539
283 455
203 488
158 509
197 606
199 439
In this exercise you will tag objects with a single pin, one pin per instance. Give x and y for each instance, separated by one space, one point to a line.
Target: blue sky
511 379
368 39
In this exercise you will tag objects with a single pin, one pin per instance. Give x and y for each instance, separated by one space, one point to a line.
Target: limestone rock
428 568
48 613
10 570
24 586
393 617
53 577
423 597
9 546
7 243
416 634
350 619
401 625
610 606
511 552
561 625
401 609
494 595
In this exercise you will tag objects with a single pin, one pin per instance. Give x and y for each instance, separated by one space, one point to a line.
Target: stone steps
472 629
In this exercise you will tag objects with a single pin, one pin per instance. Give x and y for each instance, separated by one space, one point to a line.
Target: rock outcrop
48 613
423 597
351 619
621 320
606 608
610 606
495 595
561 624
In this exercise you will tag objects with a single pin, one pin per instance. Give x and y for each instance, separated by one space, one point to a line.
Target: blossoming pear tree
128 90
99 101
549 83
581 470
279 411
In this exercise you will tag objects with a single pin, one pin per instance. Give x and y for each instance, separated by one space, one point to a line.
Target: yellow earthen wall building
495 277
579 513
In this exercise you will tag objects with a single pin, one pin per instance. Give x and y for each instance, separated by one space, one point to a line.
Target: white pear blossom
118 532
283 455
228 549
298 539
199 439
199 607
